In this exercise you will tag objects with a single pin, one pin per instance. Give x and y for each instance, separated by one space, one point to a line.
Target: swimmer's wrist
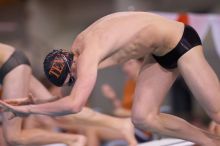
34 109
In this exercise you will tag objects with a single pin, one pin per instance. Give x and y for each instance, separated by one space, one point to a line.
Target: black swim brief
189 40
17 58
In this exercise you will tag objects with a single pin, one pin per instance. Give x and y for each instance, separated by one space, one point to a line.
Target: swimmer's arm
67 105
87 68
86 78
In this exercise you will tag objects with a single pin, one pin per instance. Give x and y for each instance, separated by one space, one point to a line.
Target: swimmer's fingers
4 106
20 101
14 114
16 111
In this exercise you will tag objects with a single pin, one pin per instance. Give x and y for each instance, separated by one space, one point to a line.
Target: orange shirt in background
128 93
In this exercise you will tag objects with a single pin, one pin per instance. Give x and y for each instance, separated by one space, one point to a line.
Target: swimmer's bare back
121 36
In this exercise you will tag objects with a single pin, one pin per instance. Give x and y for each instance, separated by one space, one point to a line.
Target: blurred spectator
123 107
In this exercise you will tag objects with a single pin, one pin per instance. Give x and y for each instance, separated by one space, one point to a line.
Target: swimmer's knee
74 108
77 109
144 121
215 116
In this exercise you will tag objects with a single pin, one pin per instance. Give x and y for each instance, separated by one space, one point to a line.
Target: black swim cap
57 66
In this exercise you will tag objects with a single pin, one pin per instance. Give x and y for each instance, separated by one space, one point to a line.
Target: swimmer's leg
201 80
152 86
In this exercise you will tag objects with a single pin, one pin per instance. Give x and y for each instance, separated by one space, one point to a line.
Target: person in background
122 107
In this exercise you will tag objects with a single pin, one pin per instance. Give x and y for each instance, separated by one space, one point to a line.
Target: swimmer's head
57 67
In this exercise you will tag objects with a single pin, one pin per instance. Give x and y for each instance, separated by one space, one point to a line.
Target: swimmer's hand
20 101
17 111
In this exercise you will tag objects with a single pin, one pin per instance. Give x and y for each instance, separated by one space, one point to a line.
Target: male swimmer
170 48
